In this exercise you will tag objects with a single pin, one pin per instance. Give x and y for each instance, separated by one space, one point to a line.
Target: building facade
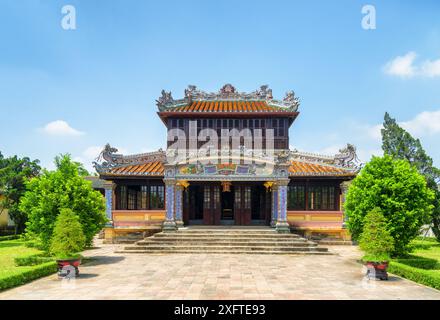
227 162
6 222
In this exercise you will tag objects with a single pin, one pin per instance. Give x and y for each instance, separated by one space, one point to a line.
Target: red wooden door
242 205
211 205
216 204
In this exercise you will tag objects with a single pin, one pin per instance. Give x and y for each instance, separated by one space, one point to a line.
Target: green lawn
427 248
422 265
10 250
12 275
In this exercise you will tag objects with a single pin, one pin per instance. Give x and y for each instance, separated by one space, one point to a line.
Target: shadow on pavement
100 260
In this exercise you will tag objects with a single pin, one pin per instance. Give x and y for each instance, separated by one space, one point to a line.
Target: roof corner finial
164 99
227 89
190 92
291 100
265 92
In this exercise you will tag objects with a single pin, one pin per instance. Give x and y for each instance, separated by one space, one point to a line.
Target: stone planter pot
68 268
377 270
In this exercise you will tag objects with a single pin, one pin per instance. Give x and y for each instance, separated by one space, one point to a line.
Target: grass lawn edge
414 274
18 279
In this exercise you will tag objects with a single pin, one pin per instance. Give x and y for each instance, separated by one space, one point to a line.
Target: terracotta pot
67 266
377 270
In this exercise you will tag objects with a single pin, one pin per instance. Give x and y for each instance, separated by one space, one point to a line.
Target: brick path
220 276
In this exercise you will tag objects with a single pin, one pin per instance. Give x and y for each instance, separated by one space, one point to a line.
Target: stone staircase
252 240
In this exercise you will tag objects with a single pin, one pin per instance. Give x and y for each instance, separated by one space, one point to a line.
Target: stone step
223 239
126 241
230 247
247 242
232 240
231 231
227 235
191 251
251 230
335 242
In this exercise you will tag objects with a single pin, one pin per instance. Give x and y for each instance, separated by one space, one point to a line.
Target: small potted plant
377 243
67 241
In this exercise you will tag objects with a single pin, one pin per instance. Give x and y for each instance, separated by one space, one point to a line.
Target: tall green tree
55 190
82 171
398 190
399 144
15 172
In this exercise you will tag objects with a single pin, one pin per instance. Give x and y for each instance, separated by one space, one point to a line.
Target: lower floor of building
310 207
240 204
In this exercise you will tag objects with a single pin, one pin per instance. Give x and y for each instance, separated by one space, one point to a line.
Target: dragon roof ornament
346 158
109 159
228 92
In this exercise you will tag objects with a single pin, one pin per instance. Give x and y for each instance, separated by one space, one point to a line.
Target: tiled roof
227 106
146 169
96 182
297 168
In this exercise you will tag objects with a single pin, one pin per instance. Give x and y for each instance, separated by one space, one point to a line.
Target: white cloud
92 152
60 128
327 151
431 68
374 132
330 150
425 123
365 154
404 67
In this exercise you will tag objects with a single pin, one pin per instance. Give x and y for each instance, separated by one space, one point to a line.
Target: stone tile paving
221 276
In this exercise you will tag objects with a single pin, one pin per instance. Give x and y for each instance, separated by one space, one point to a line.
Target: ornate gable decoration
108 159
228 93
346 158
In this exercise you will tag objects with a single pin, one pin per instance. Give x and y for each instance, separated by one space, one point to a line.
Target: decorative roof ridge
228 93
346 159
109 159
311 154
145 154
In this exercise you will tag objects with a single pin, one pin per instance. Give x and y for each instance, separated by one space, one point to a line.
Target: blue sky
100 81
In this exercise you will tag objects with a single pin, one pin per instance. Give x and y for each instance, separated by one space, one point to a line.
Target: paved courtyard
202 276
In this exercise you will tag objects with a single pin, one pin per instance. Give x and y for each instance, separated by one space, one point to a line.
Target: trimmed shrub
420 263
36 272
375 240
426 277
32 260
6 238
68 238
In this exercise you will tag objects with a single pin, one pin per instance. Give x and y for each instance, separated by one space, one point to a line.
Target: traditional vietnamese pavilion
227 162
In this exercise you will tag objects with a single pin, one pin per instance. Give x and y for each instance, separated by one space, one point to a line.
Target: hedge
427 277
420 263
6 238
36 272
32 260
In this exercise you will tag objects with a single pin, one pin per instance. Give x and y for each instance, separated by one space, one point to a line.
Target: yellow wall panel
295 218
157 217
326 218
128 218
